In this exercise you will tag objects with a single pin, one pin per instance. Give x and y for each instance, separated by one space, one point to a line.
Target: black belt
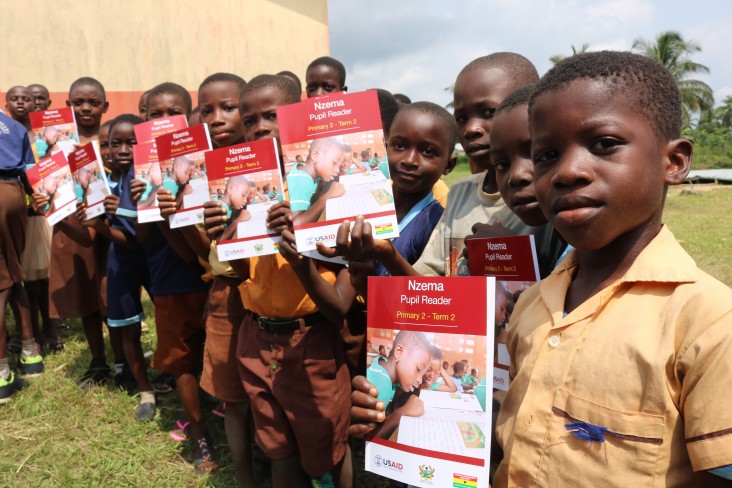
278 326
10 178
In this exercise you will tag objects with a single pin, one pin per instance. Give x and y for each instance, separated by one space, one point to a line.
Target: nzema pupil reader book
438 427
320 139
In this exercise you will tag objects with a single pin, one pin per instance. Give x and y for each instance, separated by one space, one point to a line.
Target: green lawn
53 434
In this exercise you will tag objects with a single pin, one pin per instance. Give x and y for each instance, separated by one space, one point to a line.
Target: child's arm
180 246
102 226
198 242
448 385
313 213
413 407
214 220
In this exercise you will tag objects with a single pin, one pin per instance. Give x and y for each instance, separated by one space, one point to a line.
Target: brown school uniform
180 330
13 218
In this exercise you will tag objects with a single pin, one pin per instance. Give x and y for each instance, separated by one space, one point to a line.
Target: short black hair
409 339
447 119
388 107
124 119
645 84
105 124
292 76
436 354
402 98
520 96
223 77
88 81
171 89
331 63
517 67
286 85
38 85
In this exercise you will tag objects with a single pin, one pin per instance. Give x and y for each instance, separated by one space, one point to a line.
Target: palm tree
671 50
723 113
558 57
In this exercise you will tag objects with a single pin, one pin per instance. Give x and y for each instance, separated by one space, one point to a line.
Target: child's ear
450 165
106 107
345 89
678 155
397 351
68 104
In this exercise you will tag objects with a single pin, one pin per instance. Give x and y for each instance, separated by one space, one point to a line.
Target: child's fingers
342 239
328 252
360 430
356 246
366 415
360 383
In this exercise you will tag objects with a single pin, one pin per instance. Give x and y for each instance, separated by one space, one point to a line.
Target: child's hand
279 217
414 407
137 188
360 247
289 250
81 215
336 189
166 201
111 203
366 409
496 229
214 218
360 271
40 200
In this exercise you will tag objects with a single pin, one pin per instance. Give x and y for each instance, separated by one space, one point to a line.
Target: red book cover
182 155
514 263
52 177
53 131
246 179
90 180
147 131
319 138
415 325
147 169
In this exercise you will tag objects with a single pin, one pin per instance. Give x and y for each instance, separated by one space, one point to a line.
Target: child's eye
545 156
488 113
231 108
605 144
272 116
501 165
428 151
248 121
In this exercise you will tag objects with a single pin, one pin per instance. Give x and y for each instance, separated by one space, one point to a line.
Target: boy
322 165
621 358
19 102
41 97
89 100
324 76
166 100
409 359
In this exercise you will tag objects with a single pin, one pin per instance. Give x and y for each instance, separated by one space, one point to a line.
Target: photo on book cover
90 181
52 178
53 131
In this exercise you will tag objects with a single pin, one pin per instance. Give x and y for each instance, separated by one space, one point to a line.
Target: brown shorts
220 376
299 390
13 216
181 333
354 339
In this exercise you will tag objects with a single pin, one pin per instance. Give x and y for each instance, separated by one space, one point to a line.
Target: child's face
121 140
51 135
511 159
218 105
89 105
182 171
163 105
238 195
599 169
327 162
155 174
104 144
259 113
19 102
478 93
142 106
411 365
50 184
321 80
41 98
417 150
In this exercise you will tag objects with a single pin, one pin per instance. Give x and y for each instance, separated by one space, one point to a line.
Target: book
53 131
52 177
515 265
181 154
90 180
147 164
316 135
452 318
246 179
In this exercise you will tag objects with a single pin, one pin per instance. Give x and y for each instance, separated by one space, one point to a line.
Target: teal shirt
379 377
384 168
480 393
301 187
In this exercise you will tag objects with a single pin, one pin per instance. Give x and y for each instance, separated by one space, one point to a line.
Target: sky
418 47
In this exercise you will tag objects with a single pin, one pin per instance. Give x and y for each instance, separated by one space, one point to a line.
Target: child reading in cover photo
234 201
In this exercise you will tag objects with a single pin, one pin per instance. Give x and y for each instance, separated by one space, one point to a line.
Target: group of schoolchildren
621 357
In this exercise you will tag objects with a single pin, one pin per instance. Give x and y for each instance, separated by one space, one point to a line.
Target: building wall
133 45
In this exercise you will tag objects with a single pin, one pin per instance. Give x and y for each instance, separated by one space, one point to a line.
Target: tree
558 57
671 50
723 113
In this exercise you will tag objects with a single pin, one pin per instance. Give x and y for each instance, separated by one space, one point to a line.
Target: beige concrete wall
131 45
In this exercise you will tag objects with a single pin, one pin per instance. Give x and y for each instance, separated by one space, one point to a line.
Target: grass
53 434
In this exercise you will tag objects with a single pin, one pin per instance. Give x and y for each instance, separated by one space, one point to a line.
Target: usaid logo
312 240
388 463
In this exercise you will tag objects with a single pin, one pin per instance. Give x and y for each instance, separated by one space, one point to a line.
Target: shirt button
554 341
274 366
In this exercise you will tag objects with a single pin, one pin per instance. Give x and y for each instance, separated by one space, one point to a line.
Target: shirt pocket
625 454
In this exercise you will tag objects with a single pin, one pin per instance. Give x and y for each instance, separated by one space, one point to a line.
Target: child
437 378
291 360
142 105
620 358
409 359
89 100
166 100
322 164
291 76
325 75
41 97
15 153
19 102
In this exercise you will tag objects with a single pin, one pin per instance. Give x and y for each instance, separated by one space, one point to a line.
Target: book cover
148 131
515 265
182 166
246 179
90 180
317 134
441 430
54 131
147 164
52 177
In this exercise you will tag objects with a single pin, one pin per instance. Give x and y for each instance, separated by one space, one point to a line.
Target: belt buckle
262 322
